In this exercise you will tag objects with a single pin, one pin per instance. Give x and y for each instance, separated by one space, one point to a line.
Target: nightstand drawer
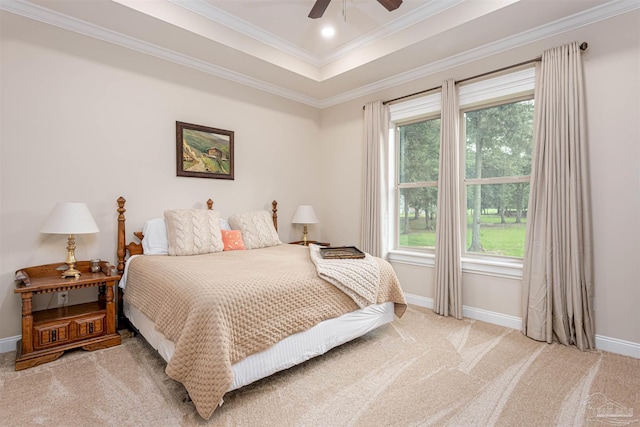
49 335
89 326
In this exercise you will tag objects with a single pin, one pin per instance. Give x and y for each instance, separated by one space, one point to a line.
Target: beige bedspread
220 308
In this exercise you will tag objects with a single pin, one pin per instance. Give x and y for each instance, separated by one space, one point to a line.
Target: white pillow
224 224
257 229
193 231
155 240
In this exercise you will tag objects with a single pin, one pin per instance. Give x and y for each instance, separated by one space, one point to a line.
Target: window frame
466 182
407 112
401 185
507 87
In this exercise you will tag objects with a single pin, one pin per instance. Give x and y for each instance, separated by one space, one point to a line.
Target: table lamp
70 218
305 215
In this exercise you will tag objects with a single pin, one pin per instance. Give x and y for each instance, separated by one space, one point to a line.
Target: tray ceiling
272 44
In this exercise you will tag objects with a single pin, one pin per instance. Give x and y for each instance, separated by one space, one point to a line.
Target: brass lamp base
71 259
72 272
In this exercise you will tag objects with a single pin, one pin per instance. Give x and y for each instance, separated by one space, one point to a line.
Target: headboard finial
274 214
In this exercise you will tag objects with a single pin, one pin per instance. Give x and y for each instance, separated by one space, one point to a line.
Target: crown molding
430 9
30 10
605 11
222 17
218 15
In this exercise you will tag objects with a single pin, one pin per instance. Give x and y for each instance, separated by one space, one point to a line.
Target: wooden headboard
133 248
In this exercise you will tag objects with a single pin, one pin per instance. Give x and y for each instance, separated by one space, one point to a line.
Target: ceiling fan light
328 32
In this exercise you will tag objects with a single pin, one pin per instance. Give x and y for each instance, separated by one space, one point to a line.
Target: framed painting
204 152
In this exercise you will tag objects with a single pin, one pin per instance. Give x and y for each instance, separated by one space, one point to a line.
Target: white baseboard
492 317
9 344
613 345
470 312
419 301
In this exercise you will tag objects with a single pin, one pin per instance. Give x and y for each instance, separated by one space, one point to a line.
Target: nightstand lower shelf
39 357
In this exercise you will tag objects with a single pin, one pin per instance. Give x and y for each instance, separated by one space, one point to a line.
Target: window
418 164
497 170
496 141
415 150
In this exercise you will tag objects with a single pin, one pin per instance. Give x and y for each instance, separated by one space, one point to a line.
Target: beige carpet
421 370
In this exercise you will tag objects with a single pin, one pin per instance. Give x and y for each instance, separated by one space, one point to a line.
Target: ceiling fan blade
318 9
390 4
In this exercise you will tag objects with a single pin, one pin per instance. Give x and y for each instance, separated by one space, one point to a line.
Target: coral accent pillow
232 240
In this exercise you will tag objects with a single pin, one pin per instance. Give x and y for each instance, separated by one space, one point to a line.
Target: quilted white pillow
155 241
257 229
193 231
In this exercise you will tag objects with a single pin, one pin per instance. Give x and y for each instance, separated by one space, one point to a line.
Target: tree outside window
497 170
417 188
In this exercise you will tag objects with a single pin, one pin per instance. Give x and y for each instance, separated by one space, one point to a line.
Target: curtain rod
583 47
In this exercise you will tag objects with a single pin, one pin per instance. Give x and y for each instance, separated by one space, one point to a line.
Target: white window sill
510 269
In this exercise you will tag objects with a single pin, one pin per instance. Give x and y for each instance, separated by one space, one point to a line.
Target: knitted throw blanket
221 307
358 278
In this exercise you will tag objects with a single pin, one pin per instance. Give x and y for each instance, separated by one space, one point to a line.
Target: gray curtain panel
557 278
448 269
375 209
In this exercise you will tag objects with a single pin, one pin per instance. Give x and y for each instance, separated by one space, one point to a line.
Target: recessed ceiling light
328 32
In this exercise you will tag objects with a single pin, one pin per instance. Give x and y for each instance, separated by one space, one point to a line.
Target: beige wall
611 69
84 120
88 121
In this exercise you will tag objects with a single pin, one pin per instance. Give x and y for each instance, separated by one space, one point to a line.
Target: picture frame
204 152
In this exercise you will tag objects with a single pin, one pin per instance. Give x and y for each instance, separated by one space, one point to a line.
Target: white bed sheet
289 352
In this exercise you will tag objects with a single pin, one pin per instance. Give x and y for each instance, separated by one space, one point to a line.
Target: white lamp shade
305 215
70 218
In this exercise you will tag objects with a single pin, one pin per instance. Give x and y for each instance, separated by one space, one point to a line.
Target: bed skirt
289 352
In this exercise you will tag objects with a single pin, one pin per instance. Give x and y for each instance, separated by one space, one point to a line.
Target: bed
226 303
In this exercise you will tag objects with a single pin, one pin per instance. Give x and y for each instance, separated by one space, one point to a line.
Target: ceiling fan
321 5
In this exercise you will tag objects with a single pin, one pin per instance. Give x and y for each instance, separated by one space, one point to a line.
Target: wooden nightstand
47 334
300 242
